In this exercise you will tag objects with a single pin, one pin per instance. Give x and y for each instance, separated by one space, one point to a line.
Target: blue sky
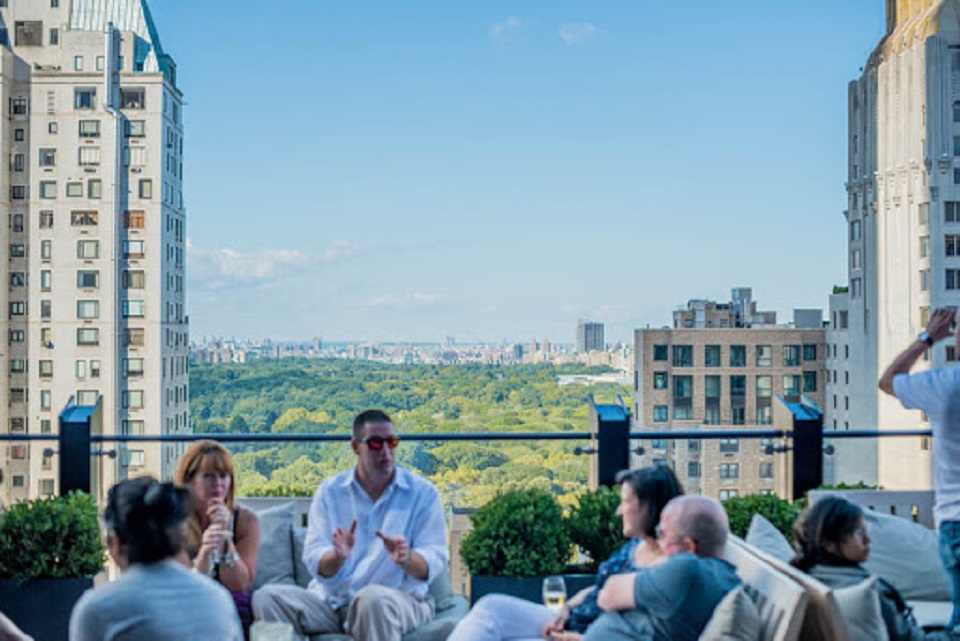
492 170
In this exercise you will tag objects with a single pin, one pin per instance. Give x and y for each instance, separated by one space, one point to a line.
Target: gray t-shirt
157 602
674 601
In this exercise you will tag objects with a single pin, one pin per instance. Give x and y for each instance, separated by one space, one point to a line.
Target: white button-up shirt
409 506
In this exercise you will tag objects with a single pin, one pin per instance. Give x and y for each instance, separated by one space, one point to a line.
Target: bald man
672 601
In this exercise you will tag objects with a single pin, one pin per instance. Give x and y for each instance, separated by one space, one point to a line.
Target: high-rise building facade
590 337
95 246
903 235
721 376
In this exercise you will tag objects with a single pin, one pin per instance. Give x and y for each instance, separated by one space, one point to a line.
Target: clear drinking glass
554 592
271 631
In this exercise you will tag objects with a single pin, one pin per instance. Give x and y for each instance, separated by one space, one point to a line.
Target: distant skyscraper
902 233
95 269
590 337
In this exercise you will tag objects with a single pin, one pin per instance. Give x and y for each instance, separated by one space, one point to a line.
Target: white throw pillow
906 555
275 557
764 536
736 618
860 605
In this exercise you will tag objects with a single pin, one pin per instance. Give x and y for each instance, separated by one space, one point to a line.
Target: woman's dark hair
829 520
147 517
654 487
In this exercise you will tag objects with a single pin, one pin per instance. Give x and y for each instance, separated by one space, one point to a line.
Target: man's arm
939 327
617 593
428 545
319 550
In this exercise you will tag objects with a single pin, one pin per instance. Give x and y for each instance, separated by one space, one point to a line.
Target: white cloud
217 268
574 34
393 301
506 30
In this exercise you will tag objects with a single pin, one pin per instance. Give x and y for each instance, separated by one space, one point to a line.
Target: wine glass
554 592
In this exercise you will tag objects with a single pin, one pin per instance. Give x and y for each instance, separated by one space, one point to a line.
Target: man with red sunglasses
376 538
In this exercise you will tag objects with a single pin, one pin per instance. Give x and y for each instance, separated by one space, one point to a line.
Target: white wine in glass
554 592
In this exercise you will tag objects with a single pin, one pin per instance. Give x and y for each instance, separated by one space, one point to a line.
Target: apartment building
590 337
902 228
93 148
724 374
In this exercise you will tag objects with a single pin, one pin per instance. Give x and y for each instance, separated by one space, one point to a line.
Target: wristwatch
925 337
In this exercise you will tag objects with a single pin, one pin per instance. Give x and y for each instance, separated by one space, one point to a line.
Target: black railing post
75 430
807 428
610 425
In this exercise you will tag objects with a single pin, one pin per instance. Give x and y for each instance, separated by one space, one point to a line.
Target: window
18 106
764 386
132 367
85 97
956 175
46 219
47 157
791 385
134 219
74 190
693 469
29 33
54 37
136 128
87 397
88 249
89 156
134 458
924 280
683 356
791 356
18 250
855 230
729 470
856 288
952 279
18 308
46 337
809 352
19 134
137 157
711 386
683 387
88 336
89 128
766 470
46 487
46 309
16 222
844 320
660 352
146 192
658 444
94 369
46 249
78 63
659 379
18 279
132 427
133 249
88 309
133 309
660 413
809 381
18 365
711 415
738 356
711 356
738 385
94 188
18 479
133 399
48 189
52 127
133 336
46 369
18 162
729 445
88 279
132 98
764 415
45 399
99 63
18 192
952 245
924 248
17 335
764 356
84 218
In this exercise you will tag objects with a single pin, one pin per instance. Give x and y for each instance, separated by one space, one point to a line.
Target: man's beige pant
375 614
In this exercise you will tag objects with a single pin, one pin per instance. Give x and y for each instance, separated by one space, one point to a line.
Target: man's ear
690 545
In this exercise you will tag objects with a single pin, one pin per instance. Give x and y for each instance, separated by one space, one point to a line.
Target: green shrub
594 525
51 538
519 533
776 510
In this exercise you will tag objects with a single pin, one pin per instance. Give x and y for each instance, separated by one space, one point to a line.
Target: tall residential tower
903 234
93 144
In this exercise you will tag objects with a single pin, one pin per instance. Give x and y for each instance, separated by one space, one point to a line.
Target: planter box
42 608
528 588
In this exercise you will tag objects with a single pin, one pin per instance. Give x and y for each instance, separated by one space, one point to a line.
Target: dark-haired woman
643 495
155 598
833 540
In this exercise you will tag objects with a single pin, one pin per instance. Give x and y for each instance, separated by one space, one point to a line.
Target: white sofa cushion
275 557
860 605
735 618
906 555
763 535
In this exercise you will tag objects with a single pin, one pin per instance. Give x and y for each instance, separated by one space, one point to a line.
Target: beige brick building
724 375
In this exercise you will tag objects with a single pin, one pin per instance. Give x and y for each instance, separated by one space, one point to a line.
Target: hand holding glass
554 592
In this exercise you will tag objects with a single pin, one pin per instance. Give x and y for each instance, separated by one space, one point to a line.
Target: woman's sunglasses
376 443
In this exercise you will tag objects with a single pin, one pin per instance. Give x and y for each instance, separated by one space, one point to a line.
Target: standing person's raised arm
941 325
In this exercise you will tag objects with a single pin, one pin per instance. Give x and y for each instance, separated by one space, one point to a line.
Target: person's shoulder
415 481
328 484
246 518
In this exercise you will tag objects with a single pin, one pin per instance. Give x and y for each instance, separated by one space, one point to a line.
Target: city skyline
434 170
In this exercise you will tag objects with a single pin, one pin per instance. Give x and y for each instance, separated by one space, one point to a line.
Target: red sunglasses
376 443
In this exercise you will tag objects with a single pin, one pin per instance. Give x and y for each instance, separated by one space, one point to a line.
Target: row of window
86 309
86 336
74 189
684 412
86 249
793 355
683 385
86 279
727 445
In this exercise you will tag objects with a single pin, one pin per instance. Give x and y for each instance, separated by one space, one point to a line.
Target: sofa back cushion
860 605
735 619
301 575
765 536
275 558
919 574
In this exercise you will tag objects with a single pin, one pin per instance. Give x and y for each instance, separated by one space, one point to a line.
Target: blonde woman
222 538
